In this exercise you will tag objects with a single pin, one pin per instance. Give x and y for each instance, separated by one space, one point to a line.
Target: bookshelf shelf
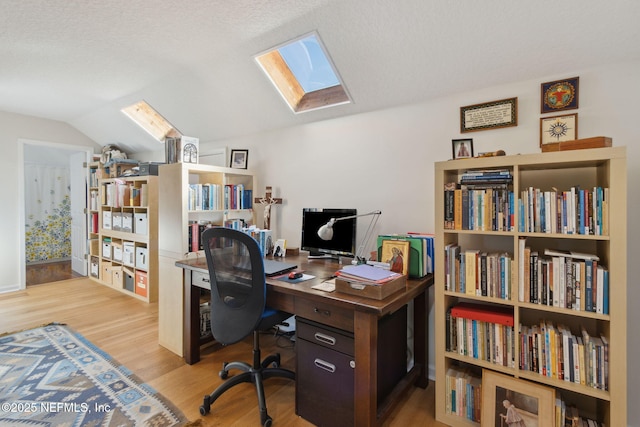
602 397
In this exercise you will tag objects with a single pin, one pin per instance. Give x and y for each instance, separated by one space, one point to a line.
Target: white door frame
21 192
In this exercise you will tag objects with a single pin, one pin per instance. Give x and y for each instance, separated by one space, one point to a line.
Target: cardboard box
142 259
378 292
106 247
141 283
106 275
595 142
127 222
129 280
117 276
149 168
141 225
116 251
128 254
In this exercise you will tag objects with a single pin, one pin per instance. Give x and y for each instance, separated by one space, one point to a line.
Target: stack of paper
365 273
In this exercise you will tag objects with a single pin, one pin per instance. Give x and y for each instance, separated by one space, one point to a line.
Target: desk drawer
325 336
200 280
324 313
324 385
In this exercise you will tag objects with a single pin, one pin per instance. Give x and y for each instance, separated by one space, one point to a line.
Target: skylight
304 75
150 120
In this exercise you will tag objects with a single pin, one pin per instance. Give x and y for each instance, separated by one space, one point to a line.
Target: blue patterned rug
53 376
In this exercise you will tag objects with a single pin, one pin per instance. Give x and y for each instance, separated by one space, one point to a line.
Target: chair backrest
238 284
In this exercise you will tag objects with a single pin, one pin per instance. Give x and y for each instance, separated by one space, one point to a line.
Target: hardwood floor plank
127 329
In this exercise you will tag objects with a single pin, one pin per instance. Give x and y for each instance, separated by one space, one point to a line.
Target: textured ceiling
80 61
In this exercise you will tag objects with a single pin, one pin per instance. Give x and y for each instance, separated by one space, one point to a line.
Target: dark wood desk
348 312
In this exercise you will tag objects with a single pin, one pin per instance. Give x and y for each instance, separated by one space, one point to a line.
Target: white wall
12 128
384 160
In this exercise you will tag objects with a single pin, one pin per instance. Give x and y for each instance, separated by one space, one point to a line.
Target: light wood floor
127 329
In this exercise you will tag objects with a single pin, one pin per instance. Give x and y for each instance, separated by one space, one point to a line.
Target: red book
484 313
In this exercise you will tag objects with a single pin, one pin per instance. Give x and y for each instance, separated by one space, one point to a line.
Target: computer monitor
343 242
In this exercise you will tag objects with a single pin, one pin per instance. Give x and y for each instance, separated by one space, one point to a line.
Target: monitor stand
339 258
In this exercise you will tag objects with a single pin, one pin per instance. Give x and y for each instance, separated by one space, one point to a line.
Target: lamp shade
326 231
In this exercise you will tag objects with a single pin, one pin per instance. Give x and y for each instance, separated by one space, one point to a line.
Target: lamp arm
356 216
360 252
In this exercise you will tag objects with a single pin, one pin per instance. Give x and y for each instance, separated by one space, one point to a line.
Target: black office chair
238 308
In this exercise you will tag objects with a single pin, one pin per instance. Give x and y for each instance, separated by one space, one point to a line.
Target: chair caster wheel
223 374
267 422
203 410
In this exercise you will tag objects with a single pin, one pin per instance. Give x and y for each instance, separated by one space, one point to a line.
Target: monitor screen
343 242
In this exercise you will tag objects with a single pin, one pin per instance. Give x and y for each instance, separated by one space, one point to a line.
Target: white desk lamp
326 233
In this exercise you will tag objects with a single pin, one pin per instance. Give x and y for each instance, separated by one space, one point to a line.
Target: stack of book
463 394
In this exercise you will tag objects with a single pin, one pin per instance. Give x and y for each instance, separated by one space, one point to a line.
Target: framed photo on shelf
396 254
506 400
239 159
558 129
559 95
462 148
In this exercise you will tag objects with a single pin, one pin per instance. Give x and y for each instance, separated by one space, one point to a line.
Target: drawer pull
206 280
329 367
323 312
325 338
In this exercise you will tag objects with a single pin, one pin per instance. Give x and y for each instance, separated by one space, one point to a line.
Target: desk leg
191 331
421 334
366 372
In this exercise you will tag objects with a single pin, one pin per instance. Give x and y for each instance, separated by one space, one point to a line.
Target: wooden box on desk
375 291
577 144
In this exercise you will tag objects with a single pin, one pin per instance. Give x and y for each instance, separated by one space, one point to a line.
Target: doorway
54 194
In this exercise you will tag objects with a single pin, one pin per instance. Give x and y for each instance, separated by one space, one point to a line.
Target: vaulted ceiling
81 61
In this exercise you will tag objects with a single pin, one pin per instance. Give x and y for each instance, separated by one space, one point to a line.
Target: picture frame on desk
506 399
239 159
396 254
462 148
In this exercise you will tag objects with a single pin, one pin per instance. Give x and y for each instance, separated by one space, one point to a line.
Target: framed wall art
559 95
239 159
489 115
462 148
396 254
508 401
558 129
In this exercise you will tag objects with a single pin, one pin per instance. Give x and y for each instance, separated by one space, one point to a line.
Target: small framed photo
239 159
396 254
558 129
507 401
559 95
462 148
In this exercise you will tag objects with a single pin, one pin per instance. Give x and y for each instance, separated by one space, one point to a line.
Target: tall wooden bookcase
124 247
605 167
176 214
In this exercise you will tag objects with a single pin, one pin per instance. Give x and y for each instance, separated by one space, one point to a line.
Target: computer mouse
295 275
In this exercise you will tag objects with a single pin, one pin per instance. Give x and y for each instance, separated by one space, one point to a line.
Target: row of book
121 193
206 197
196 228
555 352
478 273
463 398
480 209
563 279
482 333
421 251
463 394
573 211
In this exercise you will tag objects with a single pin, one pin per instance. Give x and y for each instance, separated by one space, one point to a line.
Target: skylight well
145 116
304 75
